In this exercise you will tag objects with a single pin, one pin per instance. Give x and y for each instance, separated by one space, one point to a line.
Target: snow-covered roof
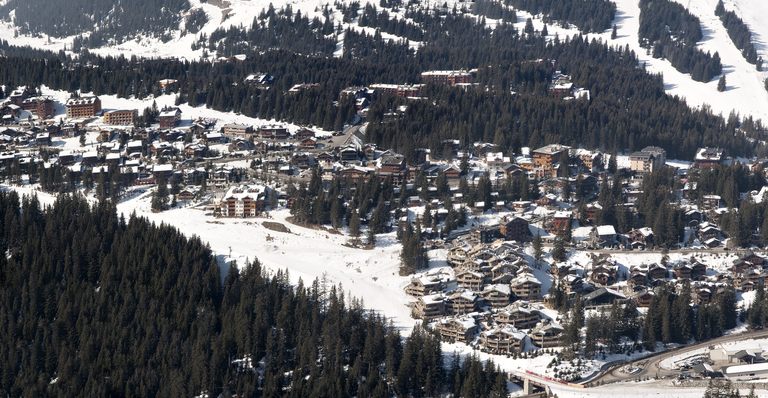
605 230
750 368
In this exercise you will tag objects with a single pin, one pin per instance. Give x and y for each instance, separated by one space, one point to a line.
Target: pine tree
528 27
354 224
537 248
558 250
614 33
721 83
719 8
371 237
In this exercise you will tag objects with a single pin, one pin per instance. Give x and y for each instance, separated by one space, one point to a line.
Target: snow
745 94
188 113
308 254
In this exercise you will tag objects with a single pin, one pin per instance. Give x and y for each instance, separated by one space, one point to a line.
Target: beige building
121 117
647 160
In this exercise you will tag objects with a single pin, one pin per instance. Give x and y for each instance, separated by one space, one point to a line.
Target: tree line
115 21
739 33
587 15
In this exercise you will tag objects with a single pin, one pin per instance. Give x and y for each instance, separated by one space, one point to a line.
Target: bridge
536 385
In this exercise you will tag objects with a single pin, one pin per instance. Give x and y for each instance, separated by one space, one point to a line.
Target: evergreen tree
558 250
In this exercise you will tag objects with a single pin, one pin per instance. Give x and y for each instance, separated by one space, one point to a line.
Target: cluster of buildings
489 297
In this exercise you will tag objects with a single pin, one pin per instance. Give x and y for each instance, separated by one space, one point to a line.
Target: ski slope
745 94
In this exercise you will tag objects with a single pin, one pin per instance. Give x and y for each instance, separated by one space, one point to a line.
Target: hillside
102 22
172 34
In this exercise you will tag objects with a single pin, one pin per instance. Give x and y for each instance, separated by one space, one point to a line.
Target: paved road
650 367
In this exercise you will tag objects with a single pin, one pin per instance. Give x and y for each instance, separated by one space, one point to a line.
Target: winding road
650 367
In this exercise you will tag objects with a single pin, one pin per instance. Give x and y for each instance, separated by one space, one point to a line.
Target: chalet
709 231
711 202
471 280
43 138
303 160
657 271
602 297
751 258
169 118
212 138
17 97
188 193
355 173
297 88
515 228
259 80
590 160
429 307
603 235
39 106
603 273
703 295
640 238
162 149
707 158
485 233
698 270
400 90
238 145
419 287
574 284
462 302
526 287
518 315
237 131
304 134
637 278
457 255
274 132
561 223
497 296
243 201
349 153
221 176
642 298
561 85
392 165
162 170
503 340
546 335
461 330
683 271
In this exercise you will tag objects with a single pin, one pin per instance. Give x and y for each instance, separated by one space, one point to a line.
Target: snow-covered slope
745 92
